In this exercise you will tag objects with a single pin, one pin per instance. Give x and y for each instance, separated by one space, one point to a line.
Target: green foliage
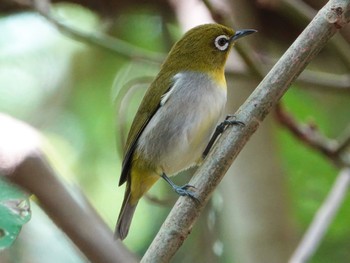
63 88
140 34
14 213
310 174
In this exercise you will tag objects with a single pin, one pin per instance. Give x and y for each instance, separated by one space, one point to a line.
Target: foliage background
66 89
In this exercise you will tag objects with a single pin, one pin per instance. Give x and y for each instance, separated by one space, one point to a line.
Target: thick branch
22 162
178 224
257 68
300 12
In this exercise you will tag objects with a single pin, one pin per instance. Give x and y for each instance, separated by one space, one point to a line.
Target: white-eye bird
177 115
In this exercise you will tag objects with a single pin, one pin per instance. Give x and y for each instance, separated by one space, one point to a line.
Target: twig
308 134
23 162
322 219
325 81
309 78
297 11
333 150
343 142
108 43
178 224
97 39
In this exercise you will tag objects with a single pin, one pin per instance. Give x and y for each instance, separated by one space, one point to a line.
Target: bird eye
222 42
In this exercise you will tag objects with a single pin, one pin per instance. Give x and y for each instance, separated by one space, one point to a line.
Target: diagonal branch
258 67
98 39
300 12
23 163
178 224
343 143
308 134
323 218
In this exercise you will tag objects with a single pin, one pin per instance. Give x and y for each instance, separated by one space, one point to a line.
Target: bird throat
219 77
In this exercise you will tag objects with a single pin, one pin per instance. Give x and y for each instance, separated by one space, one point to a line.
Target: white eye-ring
222 42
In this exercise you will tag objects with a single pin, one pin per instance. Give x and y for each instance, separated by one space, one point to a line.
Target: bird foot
184 191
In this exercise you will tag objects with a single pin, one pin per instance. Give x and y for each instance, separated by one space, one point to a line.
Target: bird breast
176 136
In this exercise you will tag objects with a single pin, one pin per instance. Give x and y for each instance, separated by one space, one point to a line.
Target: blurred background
60 73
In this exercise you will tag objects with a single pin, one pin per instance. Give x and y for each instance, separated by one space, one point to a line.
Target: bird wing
151 102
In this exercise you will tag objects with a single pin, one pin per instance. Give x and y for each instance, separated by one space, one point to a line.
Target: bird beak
242 33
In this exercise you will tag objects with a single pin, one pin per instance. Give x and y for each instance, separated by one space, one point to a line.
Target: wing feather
151 102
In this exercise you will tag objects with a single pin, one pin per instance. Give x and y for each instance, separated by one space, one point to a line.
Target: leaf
14 212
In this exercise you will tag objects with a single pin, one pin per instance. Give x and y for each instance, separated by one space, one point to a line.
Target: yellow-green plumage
182 106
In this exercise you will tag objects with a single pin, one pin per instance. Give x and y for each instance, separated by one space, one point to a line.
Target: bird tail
125 215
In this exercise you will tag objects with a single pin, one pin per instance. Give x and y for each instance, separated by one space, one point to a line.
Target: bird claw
223 125
232 122
184 191
187 186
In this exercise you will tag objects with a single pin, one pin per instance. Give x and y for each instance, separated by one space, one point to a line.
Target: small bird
177 116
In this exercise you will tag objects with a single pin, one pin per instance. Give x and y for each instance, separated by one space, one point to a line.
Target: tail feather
125 216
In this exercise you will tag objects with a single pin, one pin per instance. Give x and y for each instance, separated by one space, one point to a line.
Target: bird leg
181 190
220 129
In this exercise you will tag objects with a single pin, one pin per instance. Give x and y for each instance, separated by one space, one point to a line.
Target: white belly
178 133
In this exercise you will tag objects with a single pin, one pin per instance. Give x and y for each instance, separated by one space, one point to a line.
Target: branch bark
178 224
23 162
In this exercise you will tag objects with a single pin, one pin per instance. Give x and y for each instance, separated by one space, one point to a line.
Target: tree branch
343 143
308 134
301 13
178 224
322 219
108 43
23 163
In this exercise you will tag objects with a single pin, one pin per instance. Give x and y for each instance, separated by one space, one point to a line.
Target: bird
177 116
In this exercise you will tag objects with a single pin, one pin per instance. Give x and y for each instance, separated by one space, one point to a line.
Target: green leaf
14 212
